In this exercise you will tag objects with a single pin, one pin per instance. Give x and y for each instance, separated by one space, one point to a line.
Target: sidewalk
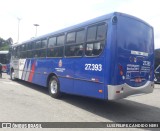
5 76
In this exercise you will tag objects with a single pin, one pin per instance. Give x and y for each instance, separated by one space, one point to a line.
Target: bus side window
94 49
80 36
74 50
91 34
29 54
43 53
97 48
58 51
40 49
71 37
75 41
89 49
55 46
44 43
17 52
60 40
101 32
52 42
79 50
95 39
38 45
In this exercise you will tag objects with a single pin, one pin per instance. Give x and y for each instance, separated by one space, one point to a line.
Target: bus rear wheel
54 87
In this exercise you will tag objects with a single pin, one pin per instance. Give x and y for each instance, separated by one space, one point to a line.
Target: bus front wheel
54 87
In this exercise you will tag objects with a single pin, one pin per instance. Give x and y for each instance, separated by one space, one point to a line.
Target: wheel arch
49 77
53 91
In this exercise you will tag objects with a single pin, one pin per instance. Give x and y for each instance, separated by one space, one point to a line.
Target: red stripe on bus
32 72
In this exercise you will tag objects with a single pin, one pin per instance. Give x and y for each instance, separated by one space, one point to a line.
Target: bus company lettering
146 63
60 65
131 67
60 69
93 67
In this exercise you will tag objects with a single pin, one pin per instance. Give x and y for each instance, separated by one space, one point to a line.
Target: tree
5 44
2 41
9 41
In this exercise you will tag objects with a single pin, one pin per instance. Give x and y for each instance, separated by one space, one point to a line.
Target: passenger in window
76 52
89 49
96 48
36 56
79 50
72 50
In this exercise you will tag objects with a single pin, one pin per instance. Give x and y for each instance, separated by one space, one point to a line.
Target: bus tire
54 87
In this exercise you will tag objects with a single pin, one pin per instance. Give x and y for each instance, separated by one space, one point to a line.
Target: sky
52 15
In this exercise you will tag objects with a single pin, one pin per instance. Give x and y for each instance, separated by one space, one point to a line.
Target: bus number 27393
93 67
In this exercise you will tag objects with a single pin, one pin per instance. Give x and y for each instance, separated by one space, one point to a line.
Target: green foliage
4 47
5 44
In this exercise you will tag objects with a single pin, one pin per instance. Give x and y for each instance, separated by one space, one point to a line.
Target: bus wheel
54 87
13 75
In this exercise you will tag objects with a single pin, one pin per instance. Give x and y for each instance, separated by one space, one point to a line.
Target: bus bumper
121 91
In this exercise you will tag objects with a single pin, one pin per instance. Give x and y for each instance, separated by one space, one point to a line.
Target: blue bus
109 57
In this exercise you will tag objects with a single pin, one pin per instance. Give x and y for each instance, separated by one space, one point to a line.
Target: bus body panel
70 72
135 51
123 68
73 71
89 77
133 61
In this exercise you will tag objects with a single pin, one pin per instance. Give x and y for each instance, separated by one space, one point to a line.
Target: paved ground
24 102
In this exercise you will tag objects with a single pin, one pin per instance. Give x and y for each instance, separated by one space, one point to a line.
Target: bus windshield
4 58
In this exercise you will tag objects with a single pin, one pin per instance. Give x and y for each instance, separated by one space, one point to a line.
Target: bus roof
81 25
4 52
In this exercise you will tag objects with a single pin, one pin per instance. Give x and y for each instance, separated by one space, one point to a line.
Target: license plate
138 80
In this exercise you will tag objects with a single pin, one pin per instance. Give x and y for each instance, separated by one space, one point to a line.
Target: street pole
36 25
19 19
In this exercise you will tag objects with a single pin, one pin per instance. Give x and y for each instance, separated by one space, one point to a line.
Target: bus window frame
67 44
104 40
56 46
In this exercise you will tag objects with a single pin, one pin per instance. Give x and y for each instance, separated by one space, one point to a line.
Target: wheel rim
53 86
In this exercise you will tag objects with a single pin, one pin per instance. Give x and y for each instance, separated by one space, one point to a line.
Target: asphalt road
24 102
